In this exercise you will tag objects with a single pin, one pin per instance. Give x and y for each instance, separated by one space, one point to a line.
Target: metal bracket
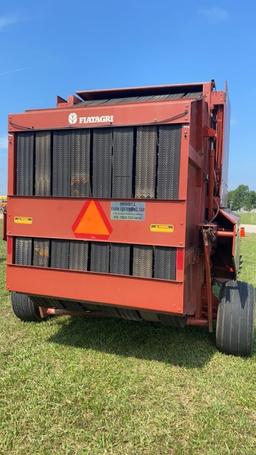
208 232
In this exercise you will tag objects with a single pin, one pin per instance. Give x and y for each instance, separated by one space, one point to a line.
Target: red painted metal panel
180 259
54 218
128 292
130 114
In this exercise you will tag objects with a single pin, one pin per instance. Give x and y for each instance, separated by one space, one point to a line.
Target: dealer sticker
129 211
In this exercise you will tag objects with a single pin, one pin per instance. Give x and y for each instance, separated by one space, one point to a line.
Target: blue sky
57 47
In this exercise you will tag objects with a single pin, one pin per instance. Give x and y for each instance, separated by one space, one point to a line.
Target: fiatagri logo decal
73 119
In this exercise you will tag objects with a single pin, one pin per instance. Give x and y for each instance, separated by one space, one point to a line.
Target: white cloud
3 142
5 21
215 14
16 70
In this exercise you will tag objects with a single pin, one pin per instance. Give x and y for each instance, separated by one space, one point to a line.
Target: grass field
247 218
78 387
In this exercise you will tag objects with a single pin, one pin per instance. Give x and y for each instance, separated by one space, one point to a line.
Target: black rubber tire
235 319
24 308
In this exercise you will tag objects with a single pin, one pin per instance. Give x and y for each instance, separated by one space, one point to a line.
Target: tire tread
235 319
24 308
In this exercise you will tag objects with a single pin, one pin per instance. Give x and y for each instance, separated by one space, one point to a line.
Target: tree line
242 198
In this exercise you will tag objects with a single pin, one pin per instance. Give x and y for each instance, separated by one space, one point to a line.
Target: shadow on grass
189 347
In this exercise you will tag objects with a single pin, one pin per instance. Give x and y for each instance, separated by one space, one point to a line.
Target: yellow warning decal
23 220
162 228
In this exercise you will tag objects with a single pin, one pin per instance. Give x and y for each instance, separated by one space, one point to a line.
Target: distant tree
240 197
251 200
231 198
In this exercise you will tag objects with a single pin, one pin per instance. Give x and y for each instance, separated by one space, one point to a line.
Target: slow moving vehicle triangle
92 222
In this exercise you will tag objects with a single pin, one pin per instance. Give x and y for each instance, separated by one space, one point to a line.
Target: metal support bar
211 184
207 253
197 322
224 233
4 227
45 312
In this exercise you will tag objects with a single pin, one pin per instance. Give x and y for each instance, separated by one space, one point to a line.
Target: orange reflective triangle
92 222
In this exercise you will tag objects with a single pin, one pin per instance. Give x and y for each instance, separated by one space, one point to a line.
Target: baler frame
203 147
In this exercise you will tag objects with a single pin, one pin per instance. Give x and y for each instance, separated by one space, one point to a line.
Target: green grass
247 218
77 386
248 253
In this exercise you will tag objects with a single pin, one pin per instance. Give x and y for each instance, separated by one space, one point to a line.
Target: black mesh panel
146 162
60 254
41 253
127 162
143 261
23 251
165 263
99 257
120 259
168 162
80 163
43 164
24 164
61 164
78 255
122 163
102 162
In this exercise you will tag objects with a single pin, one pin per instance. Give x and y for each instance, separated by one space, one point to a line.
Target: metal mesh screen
43 164
60 254
122 163
143 261
165 263
80 163
145 184
127 162
102 163
61 164
122 259
168 162
23 251
99 257
41 252
24 164
78 255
